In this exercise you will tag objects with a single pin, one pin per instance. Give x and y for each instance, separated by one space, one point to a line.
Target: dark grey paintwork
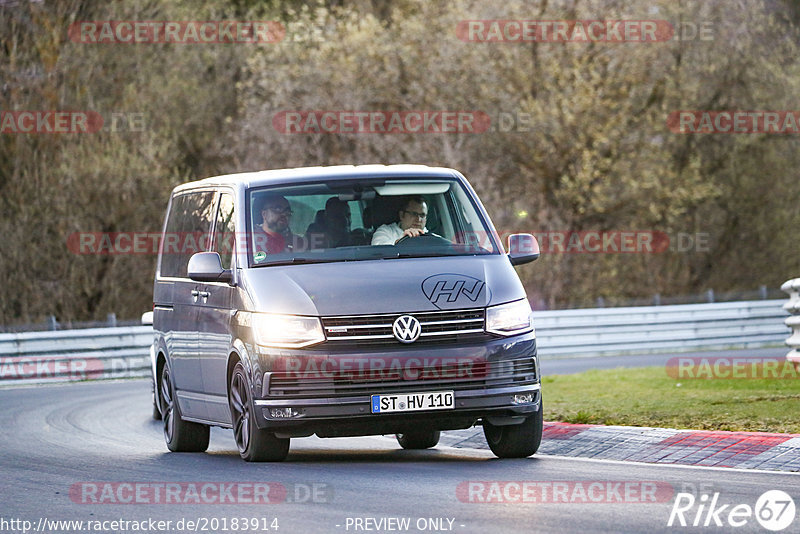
377 286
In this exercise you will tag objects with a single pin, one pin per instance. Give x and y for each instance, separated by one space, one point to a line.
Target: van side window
188 226
225 238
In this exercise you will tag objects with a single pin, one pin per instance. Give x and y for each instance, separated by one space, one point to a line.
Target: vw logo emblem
406 329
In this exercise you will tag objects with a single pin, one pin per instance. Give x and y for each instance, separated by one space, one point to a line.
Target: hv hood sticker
450 290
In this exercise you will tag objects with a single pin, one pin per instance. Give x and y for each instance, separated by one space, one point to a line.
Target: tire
180 435
422 439
515 441
254 444
156 410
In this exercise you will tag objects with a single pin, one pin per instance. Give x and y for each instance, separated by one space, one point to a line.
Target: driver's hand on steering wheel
410 232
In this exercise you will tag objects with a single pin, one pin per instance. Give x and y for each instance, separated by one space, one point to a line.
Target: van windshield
347 221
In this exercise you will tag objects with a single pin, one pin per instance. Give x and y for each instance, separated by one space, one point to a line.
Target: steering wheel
429 239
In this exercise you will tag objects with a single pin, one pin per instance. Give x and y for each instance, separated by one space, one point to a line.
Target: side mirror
147 318
522 248
207 267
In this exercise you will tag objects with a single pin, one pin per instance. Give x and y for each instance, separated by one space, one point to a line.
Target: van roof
311 174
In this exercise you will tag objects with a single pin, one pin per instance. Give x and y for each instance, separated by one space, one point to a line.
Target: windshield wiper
298 260
420 254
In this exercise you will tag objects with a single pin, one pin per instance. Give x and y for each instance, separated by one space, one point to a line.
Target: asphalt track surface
64 444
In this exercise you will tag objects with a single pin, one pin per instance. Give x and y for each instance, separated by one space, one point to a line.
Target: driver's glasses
280 211
417 214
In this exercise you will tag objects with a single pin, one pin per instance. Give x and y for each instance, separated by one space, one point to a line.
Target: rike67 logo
774 510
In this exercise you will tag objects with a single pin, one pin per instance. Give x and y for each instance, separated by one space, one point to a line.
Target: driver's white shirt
387 234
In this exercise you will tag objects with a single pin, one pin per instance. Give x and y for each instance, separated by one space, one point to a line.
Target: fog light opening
523 398
283 413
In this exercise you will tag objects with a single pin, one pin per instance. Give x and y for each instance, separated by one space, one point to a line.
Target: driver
412 216
273 235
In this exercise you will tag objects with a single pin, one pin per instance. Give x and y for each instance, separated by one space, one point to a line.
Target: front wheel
515 441
422 439
156 409
254 444
180 435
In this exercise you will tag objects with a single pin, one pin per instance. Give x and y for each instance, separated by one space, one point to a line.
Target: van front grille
436 327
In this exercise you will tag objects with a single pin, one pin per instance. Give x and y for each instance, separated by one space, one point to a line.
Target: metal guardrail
708 296
653 329
41 357
792 287
70 355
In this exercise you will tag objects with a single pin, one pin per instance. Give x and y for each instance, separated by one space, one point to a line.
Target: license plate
413 402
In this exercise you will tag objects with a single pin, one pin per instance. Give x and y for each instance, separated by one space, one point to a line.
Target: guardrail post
792 287
111 319
52 324
710 295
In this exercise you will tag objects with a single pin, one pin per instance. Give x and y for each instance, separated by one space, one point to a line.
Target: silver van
341 301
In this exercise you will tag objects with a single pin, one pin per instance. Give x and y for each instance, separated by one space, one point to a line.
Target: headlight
286 331
509 319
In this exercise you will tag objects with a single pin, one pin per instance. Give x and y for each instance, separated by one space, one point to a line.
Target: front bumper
352 417
334 413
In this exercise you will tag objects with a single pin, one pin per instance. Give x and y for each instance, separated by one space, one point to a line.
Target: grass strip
649 396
